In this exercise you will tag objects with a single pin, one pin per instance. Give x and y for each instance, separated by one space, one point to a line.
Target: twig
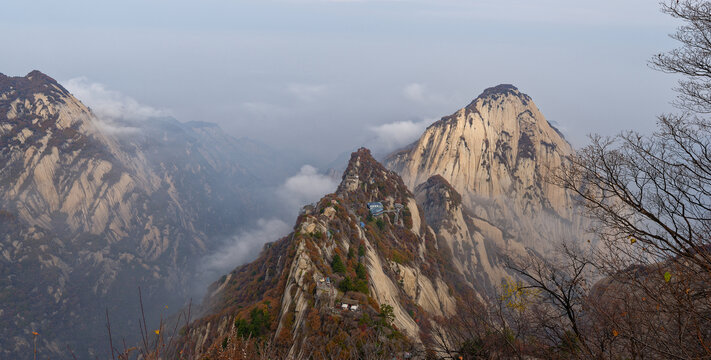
143 316
71 352
108 327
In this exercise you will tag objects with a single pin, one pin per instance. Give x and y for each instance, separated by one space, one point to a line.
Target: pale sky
324 76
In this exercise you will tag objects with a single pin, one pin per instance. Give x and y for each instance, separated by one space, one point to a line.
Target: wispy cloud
305 187
113 109
242 247
420 93
398 134
110 104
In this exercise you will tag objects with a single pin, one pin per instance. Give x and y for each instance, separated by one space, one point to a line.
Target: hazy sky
326 76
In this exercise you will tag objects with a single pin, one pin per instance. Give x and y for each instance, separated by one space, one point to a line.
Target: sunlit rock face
499 154
500 145
401 265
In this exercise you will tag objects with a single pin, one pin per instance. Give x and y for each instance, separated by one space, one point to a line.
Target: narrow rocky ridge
391 259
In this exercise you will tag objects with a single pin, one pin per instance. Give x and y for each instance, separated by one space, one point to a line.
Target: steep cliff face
478 249
87 216
499 153
339 253
498 146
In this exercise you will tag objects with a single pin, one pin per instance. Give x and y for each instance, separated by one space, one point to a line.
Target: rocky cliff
88 215
476 247
389 266
498 146
499 153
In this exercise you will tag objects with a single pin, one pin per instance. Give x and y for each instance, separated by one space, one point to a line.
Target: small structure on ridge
376 208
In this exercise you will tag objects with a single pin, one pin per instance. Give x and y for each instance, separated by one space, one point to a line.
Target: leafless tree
560 283
693 58
650 198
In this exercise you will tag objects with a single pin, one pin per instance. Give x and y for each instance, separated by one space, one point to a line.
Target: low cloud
109 127
111 107
395 135
421 94
242 247
305 187
562 129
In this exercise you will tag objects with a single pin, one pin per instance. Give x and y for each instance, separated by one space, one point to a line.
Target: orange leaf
35 333
614 332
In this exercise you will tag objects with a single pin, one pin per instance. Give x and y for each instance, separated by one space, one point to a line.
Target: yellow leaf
632 240
157 332
614 332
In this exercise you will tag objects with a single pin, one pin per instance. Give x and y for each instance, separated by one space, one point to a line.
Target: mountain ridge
89 216
400 266
478 197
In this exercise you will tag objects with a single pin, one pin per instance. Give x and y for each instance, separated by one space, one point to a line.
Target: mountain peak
37 104
500 145
34 82
360 160
501 91
365 178
36 75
